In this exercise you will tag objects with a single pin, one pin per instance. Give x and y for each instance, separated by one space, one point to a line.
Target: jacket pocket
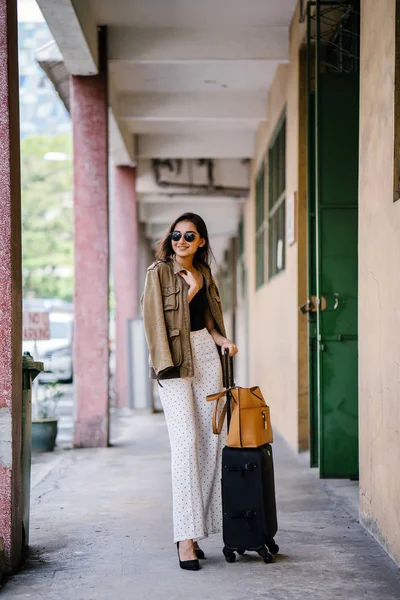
217 299
214 291
170 297
175 346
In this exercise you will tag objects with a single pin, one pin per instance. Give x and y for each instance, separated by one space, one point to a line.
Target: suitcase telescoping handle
227 369
228 381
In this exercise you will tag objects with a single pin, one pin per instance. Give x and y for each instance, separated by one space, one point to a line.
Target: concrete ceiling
215 14
192 77
188 80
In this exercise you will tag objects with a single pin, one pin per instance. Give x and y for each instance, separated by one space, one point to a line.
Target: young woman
184 325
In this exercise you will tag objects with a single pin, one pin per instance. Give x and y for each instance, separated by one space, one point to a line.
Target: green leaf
47 218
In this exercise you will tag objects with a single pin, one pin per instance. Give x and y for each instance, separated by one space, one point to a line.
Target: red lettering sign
36 326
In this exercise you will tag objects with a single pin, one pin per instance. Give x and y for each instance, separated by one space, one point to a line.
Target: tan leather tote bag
250 425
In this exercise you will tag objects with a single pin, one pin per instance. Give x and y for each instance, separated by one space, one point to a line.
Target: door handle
307 307
313 303
330 301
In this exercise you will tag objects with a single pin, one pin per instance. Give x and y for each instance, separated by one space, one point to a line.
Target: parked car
55 353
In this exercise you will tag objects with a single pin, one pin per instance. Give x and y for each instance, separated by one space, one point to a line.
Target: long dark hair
203 253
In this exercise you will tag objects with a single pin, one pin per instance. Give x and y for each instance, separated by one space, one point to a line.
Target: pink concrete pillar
10 292
125 272
91 298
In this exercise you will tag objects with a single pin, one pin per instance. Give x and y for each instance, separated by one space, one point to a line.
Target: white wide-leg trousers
195 450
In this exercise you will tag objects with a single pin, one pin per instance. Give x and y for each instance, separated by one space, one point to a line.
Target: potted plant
45 421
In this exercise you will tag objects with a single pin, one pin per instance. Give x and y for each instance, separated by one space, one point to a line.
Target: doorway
333 31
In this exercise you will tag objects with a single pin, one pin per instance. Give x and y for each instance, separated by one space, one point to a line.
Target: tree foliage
47 218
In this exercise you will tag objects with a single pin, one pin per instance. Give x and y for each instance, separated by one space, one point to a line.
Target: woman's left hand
228 345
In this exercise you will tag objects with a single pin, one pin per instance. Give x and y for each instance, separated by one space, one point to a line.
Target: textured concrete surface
91 234
10 289
125 258
101 529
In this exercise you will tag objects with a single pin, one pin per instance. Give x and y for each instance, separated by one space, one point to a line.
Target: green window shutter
276 200
260 227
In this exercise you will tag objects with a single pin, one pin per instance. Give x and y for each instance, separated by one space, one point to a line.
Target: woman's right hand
190 280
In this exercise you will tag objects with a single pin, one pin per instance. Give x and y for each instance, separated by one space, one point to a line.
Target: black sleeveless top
197 307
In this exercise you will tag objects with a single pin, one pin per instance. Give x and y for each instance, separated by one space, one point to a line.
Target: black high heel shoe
199 553
189 565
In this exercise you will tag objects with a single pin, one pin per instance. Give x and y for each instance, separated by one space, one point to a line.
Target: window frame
277 197
260 226
241 263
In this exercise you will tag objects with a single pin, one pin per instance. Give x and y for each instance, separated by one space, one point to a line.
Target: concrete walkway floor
101 529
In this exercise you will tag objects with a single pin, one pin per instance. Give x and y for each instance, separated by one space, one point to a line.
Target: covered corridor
279 123
101 529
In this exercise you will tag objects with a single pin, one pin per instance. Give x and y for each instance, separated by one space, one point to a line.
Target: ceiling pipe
196 189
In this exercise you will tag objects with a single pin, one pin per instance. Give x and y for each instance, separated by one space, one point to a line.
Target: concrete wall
379 281
278 333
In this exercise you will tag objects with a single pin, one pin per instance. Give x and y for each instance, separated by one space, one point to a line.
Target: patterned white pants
195 450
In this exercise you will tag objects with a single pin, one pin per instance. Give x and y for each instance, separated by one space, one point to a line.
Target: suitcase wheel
241 551
266 555
273 547
229 554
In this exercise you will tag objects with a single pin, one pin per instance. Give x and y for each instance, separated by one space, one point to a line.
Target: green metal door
312 287
333 242
336 275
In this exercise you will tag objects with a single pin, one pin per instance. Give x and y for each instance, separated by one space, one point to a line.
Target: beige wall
379 282
278 333
278 341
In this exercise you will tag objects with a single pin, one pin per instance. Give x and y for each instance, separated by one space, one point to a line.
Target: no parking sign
36 326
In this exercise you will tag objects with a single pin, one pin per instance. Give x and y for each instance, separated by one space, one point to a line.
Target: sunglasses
189 236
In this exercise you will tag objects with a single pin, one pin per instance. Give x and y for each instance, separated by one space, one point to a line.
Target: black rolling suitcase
248 494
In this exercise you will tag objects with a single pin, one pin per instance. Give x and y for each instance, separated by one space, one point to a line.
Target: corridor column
10 293
125 272
91 298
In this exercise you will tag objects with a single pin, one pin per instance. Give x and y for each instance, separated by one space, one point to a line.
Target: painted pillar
125 272
10 292
91 297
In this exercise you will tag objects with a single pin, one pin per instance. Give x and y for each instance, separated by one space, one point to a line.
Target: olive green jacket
166 315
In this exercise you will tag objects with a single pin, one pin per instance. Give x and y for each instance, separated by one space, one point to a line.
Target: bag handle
217 426
228 382
213 397
227 373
